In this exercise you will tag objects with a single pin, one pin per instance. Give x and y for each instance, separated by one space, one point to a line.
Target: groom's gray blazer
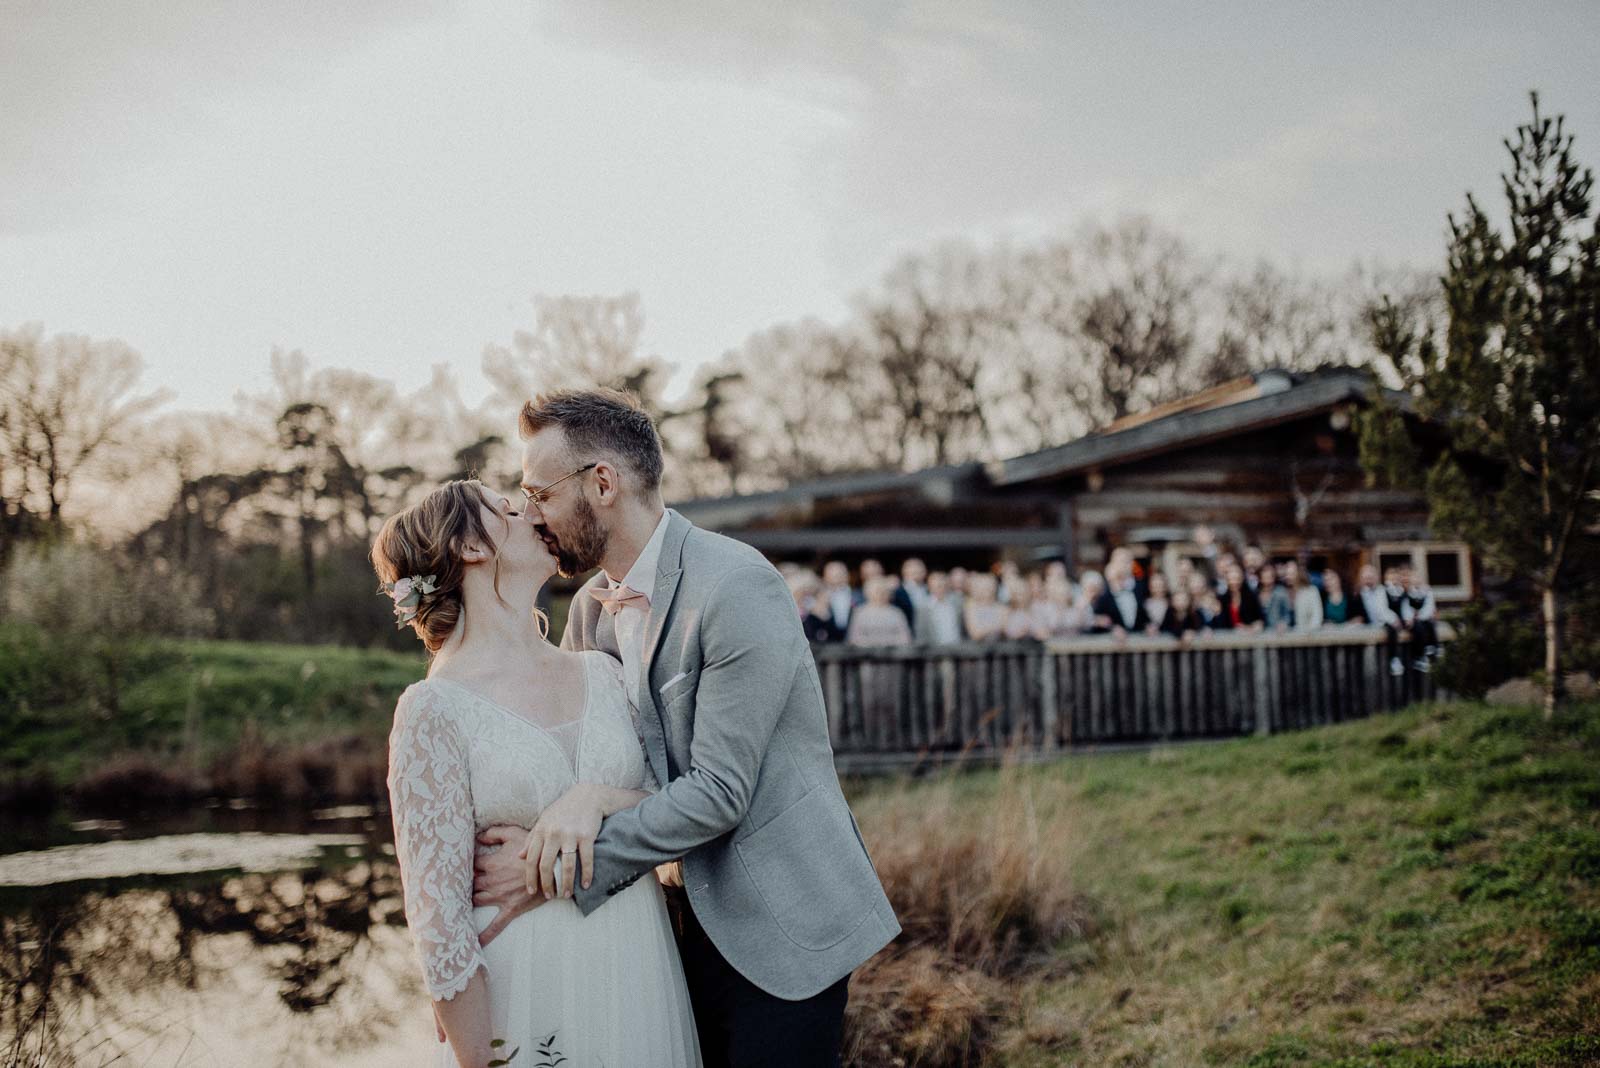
734 726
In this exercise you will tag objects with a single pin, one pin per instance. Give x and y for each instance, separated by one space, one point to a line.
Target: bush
1492 644
136 779
347 767
73 589
95 611
983 905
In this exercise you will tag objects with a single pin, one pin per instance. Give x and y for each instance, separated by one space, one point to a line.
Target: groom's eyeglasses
539 497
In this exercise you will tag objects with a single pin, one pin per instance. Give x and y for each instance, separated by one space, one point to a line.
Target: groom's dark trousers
742 1026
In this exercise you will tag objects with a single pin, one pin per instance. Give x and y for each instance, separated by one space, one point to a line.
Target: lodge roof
1244 404
735 509
1253 402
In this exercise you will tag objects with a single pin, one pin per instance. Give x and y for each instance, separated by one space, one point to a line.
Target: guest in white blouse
879 622
939 621
1305 598
984 616
1059 615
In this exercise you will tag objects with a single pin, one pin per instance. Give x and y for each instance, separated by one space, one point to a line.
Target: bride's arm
466 1022
569 826
430 797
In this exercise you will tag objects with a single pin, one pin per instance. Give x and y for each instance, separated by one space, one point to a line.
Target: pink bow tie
613 598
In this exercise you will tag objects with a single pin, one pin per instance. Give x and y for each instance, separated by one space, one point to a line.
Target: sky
386 184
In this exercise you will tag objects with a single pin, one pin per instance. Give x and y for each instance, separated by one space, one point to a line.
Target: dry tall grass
348 767
344 768
985 900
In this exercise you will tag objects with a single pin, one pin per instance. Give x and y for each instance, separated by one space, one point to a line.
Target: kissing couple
631 850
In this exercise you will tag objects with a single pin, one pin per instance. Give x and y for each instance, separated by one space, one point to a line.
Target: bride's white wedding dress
606 990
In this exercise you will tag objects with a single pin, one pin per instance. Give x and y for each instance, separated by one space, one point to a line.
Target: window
1390 558
1444 569
1444 566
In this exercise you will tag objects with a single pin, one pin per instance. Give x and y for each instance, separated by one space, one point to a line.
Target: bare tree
1130 320
934 334
1037 402
1274 319
709 445
64 402
576 342
796 406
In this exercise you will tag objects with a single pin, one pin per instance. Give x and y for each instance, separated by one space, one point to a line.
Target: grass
194 716
1418 889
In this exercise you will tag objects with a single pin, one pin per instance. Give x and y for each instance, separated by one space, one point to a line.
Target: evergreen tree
1514 381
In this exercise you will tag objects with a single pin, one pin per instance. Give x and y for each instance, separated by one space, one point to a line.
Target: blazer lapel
669 570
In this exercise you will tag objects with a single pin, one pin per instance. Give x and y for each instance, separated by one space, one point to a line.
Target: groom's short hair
599 421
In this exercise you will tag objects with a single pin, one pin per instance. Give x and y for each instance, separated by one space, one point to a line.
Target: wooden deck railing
892 706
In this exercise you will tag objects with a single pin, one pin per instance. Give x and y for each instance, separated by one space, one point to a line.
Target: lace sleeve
430 797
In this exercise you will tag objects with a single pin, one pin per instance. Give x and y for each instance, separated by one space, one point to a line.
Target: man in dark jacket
1119 609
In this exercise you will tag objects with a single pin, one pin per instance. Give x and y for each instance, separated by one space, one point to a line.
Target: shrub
28 792
99 607
982 904
1492 644
136 779
70 588
347 767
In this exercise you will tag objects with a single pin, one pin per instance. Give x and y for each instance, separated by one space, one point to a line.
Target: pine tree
1514 381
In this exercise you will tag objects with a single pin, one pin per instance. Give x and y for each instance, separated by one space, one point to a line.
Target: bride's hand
566 828
497 879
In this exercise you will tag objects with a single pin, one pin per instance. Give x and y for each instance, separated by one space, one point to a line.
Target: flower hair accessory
407 595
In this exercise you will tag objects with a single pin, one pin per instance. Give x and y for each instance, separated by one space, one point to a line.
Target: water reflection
172 854
302 967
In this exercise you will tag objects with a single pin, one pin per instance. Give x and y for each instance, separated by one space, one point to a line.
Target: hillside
1418 889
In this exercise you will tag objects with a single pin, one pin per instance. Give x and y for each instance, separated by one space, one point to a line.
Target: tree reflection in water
92 975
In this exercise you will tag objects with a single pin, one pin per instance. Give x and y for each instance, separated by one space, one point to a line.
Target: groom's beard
580 549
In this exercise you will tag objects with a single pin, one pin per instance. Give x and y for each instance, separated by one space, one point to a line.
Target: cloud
94 92
385 186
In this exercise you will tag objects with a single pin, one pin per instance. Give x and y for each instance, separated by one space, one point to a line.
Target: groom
780 901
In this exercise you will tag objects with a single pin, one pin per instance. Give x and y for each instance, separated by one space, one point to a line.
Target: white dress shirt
631 621
1127 605
841 601
1376 601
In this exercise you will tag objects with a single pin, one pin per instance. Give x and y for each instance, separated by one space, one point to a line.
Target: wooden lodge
1269 459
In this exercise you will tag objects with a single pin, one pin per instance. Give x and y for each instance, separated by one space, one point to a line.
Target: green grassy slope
1416 889
197 698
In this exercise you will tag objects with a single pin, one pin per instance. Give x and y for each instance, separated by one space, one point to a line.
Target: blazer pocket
677 686
809 870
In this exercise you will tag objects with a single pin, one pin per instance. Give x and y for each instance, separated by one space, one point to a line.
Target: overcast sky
385 185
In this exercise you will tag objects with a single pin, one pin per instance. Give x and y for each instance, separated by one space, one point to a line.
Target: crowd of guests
1224 592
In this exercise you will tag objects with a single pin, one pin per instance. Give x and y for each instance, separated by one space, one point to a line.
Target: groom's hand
565 829
497 879
670 874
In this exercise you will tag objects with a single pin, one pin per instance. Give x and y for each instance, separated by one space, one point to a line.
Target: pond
228 935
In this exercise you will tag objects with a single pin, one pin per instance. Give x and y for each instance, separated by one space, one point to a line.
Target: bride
502 726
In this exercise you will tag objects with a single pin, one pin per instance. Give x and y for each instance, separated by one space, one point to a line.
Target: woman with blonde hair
878 622
983 615
502 726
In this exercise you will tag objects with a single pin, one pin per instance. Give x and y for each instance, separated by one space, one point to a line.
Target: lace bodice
458 763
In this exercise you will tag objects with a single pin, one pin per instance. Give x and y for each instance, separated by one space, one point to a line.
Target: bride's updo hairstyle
428 539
